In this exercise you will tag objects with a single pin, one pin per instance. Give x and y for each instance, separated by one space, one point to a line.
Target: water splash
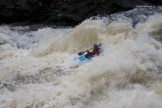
37 67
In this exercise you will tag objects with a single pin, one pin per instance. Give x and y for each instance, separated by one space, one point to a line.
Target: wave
37 67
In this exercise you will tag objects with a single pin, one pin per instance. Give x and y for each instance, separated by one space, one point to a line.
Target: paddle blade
80 53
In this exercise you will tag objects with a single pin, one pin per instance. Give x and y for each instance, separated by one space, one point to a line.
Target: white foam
43 74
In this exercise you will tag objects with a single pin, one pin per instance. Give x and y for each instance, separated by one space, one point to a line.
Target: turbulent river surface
37 67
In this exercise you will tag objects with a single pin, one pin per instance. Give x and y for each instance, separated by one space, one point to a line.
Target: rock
131 3
62 12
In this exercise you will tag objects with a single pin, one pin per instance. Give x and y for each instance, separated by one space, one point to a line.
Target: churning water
37 67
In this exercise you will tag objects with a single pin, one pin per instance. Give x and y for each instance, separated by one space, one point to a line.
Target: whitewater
38 70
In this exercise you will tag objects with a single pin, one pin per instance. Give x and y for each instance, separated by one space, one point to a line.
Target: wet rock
131 3
62 12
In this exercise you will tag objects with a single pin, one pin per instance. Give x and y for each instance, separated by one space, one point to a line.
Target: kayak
82 58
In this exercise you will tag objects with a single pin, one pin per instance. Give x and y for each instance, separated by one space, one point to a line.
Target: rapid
38 70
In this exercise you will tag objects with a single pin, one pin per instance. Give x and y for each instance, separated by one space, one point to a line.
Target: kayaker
95 51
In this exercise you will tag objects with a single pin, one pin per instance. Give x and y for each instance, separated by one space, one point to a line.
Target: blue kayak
82 59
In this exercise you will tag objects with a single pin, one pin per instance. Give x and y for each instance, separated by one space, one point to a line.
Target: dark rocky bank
62 12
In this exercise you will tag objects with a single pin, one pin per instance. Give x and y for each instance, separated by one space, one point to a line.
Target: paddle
81 53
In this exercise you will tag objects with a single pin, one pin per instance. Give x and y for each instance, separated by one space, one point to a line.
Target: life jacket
94 52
